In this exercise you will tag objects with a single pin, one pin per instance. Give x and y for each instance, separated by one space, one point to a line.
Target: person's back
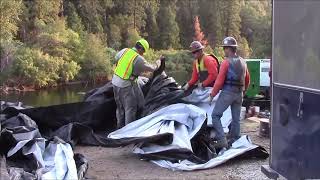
138 68
130 64
233 79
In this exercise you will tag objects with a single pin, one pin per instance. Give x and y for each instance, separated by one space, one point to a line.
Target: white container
243 113
264 72
256 110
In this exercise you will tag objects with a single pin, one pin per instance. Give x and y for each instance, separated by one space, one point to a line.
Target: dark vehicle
295 124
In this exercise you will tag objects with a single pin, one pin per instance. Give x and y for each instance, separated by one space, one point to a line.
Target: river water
67 94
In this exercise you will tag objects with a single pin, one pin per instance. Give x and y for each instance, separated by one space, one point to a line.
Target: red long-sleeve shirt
222 76
211 66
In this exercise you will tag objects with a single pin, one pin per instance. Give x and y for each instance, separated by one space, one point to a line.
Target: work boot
221 143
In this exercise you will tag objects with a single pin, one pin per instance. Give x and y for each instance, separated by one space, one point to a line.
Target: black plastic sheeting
90 121
24 164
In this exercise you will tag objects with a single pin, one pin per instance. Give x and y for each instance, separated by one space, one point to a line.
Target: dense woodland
47 42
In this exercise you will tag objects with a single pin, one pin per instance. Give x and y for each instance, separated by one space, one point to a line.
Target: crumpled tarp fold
30 156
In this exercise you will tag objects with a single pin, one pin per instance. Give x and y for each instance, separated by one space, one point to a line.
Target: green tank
254 70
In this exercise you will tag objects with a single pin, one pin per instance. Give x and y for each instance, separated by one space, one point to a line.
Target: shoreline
6 89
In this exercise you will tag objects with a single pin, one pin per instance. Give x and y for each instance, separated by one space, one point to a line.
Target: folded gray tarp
200 98
182 122
238 148
30 156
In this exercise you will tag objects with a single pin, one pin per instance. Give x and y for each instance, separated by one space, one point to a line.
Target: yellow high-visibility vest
124 66
200 66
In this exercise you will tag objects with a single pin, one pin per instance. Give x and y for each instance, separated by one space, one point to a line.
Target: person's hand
162 58
158 63
185 87
200 85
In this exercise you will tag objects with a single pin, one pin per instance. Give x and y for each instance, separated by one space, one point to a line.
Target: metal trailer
295 124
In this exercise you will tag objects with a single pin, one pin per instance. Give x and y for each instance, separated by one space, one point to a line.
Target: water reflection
61 95
68 94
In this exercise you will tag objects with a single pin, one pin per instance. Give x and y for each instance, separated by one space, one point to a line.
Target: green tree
10 10
57 40
95 62
232 20
47 10
186 10
262 38
244 50
32 67
74 34
119 26
73 19
211 17
232 25
132 37
68 71
169 34
134 9
115 37
152 29
9 18
256 27
91 14
44 11
7 51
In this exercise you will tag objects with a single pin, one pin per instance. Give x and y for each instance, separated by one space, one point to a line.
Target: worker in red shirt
234 80
205 67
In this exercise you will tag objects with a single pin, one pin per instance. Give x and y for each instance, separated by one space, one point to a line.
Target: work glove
200 85
185 87
158 63
162 58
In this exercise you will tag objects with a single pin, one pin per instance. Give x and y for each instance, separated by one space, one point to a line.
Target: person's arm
142 66
146 67
211 66
221 78
194 77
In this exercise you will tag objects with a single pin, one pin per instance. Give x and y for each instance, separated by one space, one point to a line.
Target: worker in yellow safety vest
130 64
205 67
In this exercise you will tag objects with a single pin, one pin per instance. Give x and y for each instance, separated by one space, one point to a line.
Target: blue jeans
226 99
